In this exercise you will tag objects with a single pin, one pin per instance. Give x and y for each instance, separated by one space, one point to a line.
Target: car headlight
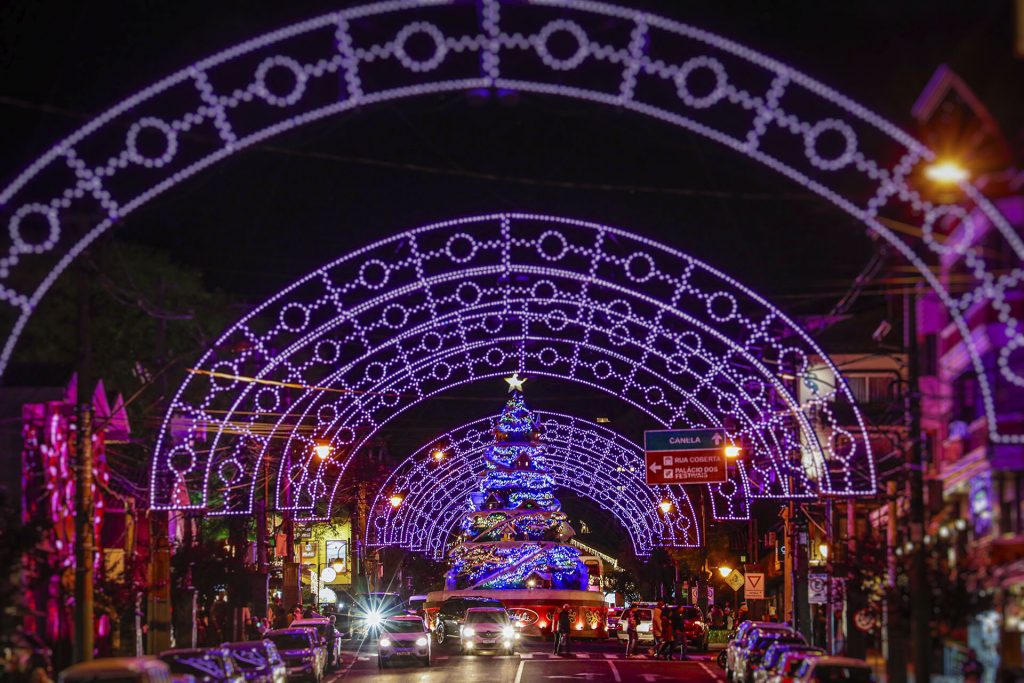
508 631
422 642
468 632
385 642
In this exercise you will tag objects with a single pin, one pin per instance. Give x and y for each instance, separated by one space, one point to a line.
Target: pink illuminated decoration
622 57
420 313
586 458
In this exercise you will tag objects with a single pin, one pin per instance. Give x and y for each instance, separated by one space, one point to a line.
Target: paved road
597 662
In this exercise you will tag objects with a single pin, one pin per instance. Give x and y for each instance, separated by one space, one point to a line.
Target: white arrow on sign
655 467
717 439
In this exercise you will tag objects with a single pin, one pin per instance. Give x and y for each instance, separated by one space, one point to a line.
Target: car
259 661
323 628
118 670
403 637
750 657
488 628
835 670
773 658
698 635
611 624
367 611
790 663
305 658
739 642
451 615
207 664
644 617
415 605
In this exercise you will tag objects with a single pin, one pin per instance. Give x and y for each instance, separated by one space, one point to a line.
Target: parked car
698 634
789 665
259 661
403 637
739 642
488 628
644 617
207 664
773 658
323 628
835 670
451 616
749 658
117 670
305 658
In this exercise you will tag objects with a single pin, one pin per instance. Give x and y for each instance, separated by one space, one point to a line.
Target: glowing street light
396 500
823 550
946 172
323 450
732 451
438 454
666 506
725 571
337 565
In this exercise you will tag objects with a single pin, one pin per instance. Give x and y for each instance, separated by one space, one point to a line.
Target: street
603 661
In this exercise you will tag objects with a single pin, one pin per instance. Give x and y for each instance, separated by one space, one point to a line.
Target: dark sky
269 215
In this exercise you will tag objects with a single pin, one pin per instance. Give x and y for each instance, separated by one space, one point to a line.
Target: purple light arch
410 317
777 117
587 458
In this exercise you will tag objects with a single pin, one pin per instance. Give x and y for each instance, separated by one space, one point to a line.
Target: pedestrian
632 635
667 635
972 669
717 617
656 626
727 613
562 631
39 669
678 633
332 662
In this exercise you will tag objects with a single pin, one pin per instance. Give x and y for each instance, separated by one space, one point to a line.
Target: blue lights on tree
515 537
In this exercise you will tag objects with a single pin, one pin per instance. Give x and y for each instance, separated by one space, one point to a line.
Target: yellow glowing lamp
396 500
946 172
438 454
823 550
323 450
666 506
725 571
732 451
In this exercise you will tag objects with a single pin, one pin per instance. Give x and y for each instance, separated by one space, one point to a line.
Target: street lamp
337 565
732 451
666 506
823 550
438 454
396 499
946 172
725 571
323 450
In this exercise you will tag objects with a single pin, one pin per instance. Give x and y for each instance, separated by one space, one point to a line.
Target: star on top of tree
515 383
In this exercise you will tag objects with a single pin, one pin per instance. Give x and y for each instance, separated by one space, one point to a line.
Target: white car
488 628
835 670
644 620
403 638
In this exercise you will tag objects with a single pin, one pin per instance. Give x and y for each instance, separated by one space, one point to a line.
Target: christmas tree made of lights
516 535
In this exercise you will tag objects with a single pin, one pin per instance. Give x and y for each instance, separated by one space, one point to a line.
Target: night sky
272 213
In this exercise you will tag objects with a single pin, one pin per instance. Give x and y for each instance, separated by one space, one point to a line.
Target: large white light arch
584 457
620 57
358 341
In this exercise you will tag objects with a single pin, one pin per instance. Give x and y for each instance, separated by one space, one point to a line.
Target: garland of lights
501 47
588 458
604 328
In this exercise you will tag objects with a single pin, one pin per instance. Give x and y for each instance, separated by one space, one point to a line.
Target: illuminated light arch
587 458
374 333
623 57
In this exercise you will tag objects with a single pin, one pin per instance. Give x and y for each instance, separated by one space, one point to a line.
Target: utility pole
920 609
84 504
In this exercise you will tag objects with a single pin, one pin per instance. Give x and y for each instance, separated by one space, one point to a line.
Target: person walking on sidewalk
667 635
656 627
562 631
679 633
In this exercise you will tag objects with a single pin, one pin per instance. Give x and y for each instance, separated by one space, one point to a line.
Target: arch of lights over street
624 58
416 315
584 457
